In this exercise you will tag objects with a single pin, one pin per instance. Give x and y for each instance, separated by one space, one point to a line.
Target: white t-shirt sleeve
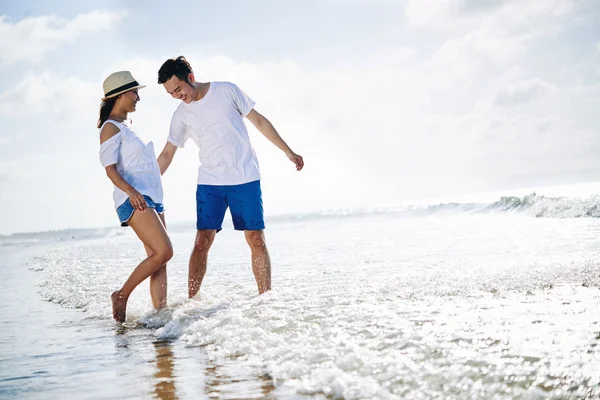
243 103
178 133
109 150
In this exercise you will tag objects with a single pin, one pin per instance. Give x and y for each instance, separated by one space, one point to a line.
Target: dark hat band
122 88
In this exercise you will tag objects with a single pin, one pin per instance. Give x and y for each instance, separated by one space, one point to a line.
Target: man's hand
296 159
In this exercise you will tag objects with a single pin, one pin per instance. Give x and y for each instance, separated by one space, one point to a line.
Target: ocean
489 296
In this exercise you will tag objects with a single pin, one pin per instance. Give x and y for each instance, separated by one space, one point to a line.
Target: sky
387 101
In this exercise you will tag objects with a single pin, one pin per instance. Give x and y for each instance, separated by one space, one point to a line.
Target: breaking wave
538 206
534 205
551 207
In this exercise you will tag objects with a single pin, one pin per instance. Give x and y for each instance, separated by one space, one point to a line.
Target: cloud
64 100
474 109
485 39
478 6
391 55
598 57
466 57
31 39
538 129
510 14
522 92
430 12
5 139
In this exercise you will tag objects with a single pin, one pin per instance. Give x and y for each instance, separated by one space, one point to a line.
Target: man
212 115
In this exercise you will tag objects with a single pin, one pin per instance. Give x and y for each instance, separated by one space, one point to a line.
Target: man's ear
191 78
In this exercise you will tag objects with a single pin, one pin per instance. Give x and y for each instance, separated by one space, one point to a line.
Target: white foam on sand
480 306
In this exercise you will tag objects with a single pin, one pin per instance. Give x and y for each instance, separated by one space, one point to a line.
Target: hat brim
122 91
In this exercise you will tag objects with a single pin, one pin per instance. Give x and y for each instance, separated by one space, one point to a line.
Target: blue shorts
244 201
125 210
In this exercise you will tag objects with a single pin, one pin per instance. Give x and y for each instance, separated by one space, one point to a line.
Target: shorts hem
211 228
251 228
158 207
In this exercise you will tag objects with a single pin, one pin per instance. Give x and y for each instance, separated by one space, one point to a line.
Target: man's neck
200 90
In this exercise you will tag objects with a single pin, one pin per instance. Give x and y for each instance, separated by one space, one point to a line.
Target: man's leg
210 211
245 203
261 262
199 259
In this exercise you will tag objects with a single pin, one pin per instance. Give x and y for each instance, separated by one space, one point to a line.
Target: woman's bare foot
119 305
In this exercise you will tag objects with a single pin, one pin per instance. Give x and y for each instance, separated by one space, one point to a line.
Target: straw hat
119 82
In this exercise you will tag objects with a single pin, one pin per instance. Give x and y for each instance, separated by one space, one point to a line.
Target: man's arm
166 156
265 127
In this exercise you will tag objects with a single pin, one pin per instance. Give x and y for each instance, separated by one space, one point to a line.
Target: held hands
296 159
137 200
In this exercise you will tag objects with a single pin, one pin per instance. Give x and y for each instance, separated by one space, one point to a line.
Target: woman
131 165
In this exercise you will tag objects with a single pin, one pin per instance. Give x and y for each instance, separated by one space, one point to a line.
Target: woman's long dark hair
105 109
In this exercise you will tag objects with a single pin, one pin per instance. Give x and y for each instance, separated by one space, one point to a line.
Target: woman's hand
137 200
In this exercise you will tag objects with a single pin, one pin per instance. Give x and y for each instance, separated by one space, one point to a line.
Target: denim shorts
244 202
125 210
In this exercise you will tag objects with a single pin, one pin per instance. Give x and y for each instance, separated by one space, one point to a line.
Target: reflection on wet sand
164 387
226 379
221 385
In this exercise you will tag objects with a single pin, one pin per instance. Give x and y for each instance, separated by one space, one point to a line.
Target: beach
473 300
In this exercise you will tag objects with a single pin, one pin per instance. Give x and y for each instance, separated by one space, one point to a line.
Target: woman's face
129 100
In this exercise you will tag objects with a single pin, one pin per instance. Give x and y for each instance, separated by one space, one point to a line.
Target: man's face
180 89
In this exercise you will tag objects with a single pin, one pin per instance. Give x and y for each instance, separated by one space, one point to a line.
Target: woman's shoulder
108 131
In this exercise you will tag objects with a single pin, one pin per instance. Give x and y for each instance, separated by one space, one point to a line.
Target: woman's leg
158 280
151 231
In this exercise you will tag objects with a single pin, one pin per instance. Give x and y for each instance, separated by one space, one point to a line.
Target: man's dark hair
175 66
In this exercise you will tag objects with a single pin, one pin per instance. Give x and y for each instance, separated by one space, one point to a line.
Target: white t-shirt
136 162
216 124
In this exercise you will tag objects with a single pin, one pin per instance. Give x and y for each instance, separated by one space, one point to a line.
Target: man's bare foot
119 305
